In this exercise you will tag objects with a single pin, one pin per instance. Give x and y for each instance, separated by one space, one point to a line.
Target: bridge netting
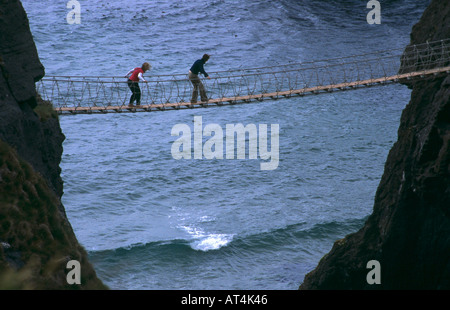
106 91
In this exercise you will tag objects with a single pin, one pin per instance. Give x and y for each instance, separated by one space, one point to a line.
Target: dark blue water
149 221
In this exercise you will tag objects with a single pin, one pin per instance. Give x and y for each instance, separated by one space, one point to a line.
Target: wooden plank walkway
259 97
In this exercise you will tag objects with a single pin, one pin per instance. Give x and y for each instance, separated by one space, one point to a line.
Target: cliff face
409 229
20 69
36 239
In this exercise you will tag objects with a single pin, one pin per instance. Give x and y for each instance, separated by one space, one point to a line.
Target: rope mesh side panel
90 93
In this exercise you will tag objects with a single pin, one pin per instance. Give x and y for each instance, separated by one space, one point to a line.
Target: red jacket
134 76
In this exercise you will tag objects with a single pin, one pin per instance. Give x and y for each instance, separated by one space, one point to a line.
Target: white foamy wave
212 242
206 242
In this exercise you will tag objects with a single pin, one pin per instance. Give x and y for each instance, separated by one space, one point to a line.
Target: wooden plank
259 97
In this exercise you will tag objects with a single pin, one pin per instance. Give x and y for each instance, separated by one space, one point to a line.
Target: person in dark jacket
197 68
134 76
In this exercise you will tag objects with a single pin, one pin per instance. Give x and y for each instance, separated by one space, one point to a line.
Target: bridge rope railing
106 91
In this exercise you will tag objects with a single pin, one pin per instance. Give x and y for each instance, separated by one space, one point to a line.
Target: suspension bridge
93 94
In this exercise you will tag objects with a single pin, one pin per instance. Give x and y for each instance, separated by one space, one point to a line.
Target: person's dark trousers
198 85
136 92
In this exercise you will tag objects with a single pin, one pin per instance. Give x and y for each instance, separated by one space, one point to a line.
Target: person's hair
146 66
205 57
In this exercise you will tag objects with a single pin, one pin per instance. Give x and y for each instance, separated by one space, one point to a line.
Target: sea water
149 221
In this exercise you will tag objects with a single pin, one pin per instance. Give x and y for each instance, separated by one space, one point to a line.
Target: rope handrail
95 92
219 77
401 51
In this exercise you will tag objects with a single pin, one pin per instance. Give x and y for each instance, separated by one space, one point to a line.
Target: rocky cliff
408 232
36 239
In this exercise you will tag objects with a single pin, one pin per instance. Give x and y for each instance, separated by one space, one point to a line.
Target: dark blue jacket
197 67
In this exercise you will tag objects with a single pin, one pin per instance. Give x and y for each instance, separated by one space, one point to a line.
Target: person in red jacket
134 76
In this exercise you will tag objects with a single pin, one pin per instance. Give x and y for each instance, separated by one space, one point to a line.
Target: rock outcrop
408 232
36 239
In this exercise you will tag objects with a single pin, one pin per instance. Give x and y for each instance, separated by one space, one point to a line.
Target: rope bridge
89 94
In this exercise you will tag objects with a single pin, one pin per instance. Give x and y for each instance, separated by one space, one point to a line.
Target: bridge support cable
88 94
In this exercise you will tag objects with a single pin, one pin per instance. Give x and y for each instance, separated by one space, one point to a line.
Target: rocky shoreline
36 239
408 231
